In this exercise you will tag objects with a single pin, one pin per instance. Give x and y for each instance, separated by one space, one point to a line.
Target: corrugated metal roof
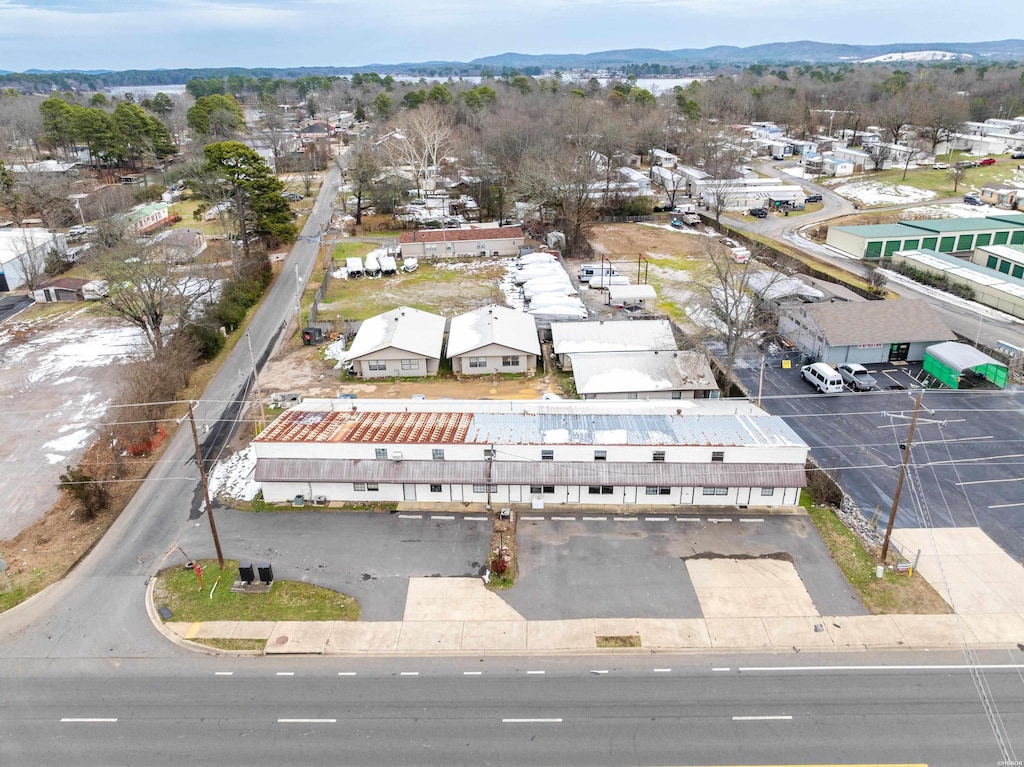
493 325
532 473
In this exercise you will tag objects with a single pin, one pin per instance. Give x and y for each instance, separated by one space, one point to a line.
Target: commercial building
946 235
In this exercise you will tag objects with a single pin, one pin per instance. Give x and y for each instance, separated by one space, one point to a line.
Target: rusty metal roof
532 473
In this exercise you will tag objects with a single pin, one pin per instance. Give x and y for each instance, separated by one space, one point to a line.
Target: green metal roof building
960 366
945 235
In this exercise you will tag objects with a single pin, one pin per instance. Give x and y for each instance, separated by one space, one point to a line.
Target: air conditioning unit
396 455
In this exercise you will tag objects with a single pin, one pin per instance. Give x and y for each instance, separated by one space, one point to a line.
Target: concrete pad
616 627
252 630
494 635
924 630
180 628
966 567
1000 628
796 632
352 636
213 630
863 631
560 635
299 637
430 635
686 633
755 603
455 599
737 632
749 588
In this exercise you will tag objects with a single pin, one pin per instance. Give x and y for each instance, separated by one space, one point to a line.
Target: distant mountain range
800 52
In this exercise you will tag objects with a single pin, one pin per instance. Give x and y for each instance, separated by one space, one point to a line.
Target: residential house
493 339
1000 195
144 219
404 342
644 375
542 453
180 246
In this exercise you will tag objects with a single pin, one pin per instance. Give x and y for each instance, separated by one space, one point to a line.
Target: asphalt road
472 712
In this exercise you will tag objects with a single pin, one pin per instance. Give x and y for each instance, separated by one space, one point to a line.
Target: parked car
856 376
291 196
1017 155
814 198
759 213
972 199
988 161
940 166
965 164
822 377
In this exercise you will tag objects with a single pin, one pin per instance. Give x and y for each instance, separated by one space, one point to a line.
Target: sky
143 34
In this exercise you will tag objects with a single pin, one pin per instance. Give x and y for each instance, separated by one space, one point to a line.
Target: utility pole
256 381
206 486
899 482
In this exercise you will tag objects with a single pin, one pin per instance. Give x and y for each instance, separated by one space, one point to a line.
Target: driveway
594 566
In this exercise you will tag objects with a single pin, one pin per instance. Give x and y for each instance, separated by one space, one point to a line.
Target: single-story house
864 331
21 247
493 339
644 375
404 342
860 160
144 219
1000 195
61 289
472 241
541 453
180 246
837 166
571 340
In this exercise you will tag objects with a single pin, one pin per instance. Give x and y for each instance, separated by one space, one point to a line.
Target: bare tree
720 195
956 175
31 256
424 138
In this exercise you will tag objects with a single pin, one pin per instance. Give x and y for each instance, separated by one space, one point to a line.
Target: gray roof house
570 340
493 339
644 375
864 331
404 342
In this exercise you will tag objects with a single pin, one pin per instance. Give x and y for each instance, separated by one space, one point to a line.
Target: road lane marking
532 519
346 673
656 519
86 719
531 721
761 718
285 673
687 519
744 519
409 673
957 667
716 520
626 519
223 673
662 671
476 519
563 519
721 668
594 519
442 516
410 516
472 673
534 672
599 671
307 721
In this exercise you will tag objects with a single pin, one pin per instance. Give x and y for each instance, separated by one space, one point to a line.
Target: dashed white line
599 671
656 519
442 516
532 519
687 519
472 673
662 671
285 673
563 519
475 519
721 668
531 721
87 719
760 718
745 519
960 667
409 673
223 673
346 673
594 519
626 519
716 520
410 516
306 721
534 672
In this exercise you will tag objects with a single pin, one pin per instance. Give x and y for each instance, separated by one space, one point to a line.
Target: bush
207 340
86 490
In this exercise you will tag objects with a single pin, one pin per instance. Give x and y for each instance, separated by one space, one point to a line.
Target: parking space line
626 519
687 519
307 721
716 520
410 516
563 519
662 671
346 673
409 673
760 718
475 519
534 672
87 719
594 519
223 673
599 671
442 516
656 519
721 668
745 519
285 673
531 721
531 519
472 673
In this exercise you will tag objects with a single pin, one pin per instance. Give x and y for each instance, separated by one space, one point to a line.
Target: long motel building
542 453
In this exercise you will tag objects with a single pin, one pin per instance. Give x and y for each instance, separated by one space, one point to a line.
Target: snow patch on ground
954 210
77 439
798 172
235 476
878 193
705 232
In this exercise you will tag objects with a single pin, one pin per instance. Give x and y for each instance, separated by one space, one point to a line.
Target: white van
824 378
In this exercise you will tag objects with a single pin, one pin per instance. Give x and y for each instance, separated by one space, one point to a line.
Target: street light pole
205 484
256 381
899 482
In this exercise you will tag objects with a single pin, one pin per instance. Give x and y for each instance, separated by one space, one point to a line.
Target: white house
565 453
837 166
493 339
404 342
644 375
573 339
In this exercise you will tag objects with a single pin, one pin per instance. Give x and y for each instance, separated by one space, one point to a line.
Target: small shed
631 296
62 289
961 366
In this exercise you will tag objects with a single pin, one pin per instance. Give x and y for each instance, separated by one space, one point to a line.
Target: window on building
381 452
600 490
767 491
600 455
372 487
659 455
481 246
715 491
488 453
478 362
510 361
435 488
483 488
430 248
547 455
377 365
717 456
538 489
437 453
631 395
359 487
677 395
410 364
657 491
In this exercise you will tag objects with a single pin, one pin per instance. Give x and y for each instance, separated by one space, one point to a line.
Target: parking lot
965 457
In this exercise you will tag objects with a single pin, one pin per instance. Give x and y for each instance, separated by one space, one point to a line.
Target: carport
948 362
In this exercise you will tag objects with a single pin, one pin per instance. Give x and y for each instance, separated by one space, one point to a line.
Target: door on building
742 496
409 492
898 352
515 493
629 495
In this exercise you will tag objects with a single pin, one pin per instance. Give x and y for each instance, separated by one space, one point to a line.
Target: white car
940 166
856 376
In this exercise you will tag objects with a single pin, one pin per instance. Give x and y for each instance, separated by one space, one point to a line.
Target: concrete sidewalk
746 605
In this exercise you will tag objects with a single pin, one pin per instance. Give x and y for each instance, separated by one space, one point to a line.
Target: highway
640 711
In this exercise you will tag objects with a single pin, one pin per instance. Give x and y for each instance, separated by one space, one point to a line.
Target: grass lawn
628 640
890 594
939 181
349 249
233 644
178 589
